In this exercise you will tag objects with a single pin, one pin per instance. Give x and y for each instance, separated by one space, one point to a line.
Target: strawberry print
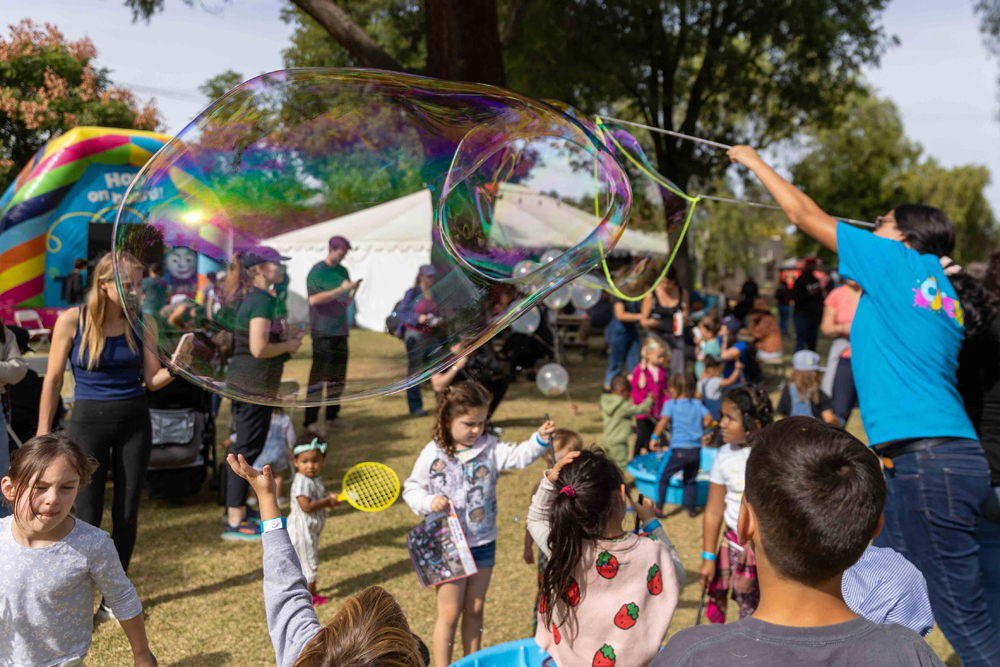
654 580
605 657
607 565
573 593
627 616
555 633
541 604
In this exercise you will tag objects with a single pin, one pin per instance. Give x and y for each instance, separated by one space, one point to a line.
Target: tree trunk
348 34
680 176
463 41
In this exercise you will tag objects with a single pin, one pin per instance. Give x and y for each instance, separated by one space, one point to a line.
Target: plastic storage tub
520 653
645 470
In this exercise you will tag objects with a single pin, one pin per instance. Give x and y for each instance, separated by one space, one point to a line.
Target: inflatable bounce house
62 208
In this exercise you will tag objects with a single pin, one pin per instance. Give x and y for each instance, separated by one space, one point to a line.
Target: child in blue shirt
687 419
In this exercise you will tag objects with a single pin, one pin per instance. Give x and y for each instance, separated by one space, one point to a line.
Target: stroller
183 441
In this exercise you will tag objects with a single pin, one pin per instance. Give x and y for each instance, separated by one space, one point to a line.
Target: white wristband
272 524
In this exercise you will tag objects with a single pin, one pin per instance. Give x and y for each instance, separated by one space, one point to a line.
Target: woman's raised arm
802 211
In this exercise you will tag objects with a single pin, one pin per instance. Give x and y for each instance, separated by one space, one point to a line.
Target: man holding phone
330 293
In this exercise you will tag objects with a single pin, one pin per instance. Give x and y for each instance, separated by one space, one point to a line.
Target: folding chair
26 318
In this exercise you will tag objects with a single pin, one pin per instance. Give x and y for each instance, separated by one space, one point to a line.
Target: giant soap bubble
469 179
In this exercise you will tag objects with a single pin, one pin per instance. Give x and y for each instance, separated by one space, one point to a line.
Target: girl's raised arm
538 515
802 211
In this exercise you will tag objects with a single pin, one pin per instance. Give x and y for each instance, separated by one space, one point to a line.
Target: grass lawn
202 596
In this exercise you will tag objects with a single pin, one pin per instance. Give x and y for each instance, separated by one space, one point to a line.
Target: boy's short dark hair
818 493
618 383
80 264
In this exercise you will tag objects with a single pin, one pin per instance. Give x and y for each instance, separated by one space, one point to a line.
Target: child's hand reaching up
262 482
562 463
547 429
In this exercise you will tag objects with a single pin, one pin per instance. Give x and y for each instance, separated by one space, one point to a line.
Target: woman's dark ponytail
930 231
586 500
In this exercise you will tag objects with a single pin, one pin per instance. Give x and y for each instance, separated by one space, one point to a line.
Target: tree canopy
49 85
865 165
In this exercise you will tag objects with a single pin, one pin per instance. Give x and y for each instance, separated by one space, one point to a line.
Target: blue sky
940 76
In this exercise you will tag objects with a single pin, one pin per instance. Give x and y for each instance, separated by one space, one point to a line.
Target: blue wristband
273 524
708 555
651 526
654 437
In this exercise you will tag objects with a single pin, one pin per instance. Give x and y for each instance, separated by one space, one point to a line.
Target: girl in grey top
53 564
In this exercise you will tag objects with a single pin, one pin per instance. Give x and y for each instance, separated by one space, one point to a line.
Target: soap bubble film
469 181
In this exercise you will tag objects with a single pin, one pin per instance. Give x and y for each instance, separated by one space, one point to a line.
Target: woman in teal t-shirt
915 312
254 371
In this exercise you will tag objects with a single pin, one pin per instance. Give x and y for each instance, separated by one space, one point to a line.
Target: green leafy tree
866 165
728 236
988 12
48 86
220 84
739 71
959 192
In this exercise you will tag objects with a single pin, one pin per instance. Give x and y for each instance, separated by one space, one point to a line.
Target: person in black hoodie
807 293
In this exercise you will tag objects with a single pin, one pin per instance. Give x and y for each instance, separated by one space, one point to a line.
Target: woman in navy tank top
110 417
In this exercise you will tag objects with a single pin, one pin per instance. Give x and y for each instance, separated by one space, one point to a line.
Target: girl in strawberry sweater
608 594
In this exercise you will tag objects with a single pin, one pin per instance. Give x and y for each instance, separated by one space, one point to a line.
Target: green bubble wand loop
662 182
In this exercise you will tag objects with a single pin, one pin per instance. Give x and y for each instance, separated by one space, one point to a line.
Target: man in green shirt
330 293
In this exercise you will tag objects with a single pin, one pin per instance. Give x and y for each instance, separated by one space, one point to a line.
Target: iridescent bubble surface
468 179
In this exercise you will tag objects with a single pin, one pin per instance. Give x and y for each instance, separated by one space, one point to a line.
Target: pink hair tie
568 491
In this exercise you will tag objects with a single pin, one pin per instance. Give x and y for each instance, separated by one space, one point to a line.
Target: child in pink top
650 378
608 594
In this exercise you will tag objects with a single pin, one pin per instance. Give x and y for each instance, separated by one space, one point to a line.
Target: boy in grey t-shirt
813 501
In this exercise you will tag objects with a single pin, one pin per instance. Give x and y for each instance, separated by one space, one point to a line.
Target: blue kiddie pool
521 653
646 470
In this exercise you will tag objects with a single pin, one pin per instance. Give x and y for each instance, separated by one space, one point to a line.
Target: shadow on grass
207 589
203 660
346 587
385 537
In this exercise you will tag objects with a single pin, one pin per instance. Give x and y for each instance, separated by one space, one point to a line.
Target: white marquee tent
390 242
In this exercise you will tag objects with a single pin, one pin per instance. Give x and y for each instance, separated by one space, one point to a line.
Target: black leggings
329 366
252 424
118 434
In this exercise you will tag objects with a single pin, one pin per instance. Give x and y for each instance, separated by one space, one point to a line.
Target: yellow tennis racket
370 487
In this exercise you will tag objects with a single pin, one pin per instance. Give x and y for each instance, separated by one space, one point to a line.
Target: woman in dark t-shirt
259 354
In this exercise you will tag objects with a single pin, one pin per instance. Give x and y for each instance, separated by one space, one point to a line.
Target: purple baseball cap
260 254
339 242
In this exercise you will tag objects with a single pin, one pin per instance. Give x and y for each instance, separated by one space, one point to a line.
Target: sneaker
419 413
338 424
319 600
104 613
247 531
313 428
252 514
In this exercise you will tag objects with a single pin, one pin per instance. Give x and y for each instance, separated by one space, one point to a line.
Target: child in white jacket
461 464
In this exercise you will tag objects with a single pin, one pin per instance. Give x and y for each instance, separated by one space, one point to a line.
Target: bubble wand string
716 144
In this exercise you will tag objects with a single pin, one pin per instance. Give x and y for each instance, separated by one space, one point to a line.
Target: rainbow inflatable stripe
76 179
